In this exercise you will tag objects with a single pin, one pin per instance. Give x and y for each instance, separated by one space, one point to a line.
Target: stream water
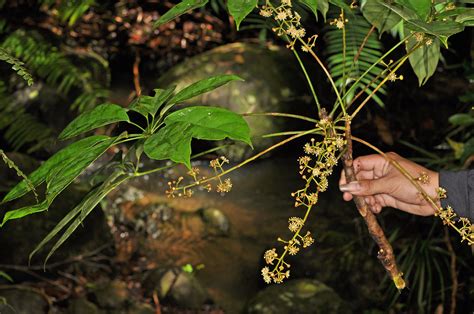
258 208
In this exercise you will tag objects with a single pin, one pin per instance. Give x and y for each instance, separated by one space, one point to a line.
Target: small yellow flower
295 223
224 187
266 274
270 256
307 240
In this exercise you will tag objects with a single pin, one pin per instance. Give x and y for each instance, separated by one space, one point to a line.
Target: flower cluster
462 225
289 23
340 22
315 167
223 185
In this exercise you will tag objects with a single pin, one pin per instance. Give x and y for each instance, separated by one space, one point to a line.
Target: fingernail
350 187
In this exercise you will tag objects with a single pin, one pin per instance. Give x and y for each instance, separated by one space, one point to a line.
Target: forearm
460 192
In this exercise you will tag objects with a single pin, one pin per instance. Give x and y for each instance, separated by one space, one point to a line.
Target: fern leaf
356 32
17 65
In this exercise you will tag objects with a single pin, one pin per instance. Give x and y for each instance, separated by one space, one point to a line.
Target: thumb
365 187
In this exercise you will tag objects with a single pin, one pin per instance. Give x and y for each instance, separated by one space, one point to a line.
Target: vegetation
356 65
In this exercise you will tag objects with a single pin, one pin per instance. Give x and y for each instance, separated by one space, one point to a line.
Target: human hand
381 184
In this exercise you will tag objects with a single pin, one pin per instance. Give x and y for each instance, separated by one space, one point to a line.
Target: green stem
133 123
285 141
139 174
279 114
308 79
344 78
354 85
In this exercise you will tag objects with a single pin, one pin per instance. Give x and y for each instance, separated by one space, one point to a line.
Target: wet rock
176 286
111 295
82 305
20 237
216 220
298 296
265 89
23 300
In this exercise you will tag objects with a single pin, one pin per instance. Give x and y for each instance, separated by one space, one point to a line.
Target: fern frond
356 31
52 65
21 128
69 11
17 65
11 164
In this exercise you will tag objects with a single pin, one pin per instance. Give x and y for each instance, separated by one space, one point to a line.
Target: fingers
375 163
366 187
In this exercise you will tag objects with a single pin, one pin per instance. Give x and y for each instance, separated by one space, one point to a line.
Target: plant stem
308 79
385 253
378 87
354 85
139 174
279 114
285 141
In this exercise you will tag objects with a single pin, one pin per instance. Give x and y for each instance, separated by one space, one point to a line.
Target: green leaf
179 9
60 176
466 17
80 212
150 105
97 117
468 150
317 5
421 7
203 86
461 119
379 15
441 29
404 12
239 9
6 276
173 141
424 60
39 175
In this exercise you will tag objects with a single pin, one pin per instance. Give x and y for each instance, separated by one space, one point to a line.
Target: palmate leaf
179 9
150 105
173 141
379 15
198 88
58 172
356 32
424 59
317 5
239 9
99 116
421 7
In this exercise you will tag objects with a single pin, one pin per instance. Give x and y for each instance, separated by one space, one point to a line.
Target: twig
385 253
136 74
454 276
371 30
156 300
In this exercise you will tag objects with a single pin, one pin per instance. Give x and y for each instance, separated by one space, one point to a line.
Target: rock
176 286
273 83
141 308
20 237
23 300
111 295
298 296
82 305
216 220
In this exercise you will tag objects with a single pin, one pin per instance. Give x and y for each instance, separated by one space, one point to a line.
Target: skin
382 185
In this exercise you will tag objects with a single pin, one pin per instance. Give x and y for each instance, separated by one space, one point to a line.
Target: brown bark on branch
385 253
